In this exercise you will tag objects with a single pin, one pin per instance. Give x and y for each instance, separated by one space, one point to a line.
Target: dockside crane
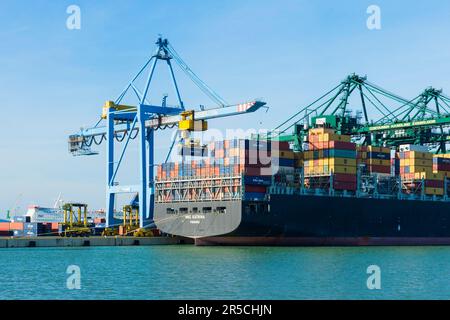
379 116
127 122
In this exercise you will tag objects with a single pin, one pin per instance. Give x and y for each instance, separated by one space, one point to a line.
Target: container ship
252 192
328 175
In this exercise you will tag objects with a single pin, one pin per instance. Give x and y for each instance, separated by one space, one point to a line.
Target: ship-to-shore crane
383 118
127 122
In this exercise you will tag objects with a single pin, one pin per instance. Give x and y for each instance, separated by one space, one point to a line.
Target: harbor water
189 272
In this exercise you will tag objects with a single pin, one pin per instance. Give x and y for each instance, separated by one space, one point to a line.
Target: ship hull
319 241
307 220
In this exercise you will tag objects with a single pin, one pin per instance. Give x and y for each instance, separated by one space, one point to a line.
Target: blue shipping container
282 162
337 153
379 155
258 180
254 196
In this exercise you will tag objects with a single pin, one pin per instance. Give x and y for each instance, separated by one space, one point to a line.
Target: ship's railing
199 189
229 188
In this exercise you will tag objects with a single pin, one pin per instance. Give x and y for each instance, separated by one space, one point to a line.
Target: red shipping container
4 226
280 145
343 177
434 184
342 145
260 189
252 171
345 186
381 169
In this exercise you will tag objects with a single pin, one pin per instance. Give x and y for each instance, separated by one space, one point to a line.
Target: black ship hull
307 220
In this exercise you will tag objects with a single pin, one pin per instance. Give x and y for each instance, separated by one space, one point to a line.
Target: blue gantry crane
123 123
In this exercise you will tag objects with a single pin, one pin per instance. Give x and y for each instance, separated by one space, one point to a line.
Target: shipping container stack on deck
378 160
286 166
441 164
330 154
29 229
257 165
260 163
418 176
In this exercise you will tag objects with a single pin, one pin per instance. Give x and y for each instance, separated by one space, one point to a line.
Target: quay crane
141 121
423 120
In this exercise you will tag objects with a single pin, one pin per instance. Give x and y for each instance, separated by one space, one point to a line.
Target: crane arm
77 140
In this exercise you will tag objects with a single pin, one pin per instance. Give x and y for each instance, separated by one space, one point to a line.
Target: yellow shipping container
342 162
378 149
340 169
335 137
320 131
414 169
284 154
308 155
363 155
429 176
416 162
373 149
445 156
298 156
379 162
434 191
420 155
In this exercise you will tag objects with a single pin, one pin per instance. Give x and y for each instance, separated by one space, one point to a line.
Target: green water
188 272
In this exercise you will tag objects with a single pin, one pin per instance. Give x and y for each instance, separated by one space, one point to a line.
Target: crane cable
200 84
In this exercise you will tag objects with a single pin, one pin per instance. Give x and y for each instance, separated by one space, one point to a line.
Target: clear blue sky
54 80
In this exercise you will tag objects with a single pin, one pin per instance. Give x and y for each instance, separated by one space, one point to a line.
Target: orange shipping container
16 226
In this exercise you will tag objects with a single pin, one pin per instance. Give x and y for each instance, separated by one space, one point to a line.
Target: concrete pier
90 241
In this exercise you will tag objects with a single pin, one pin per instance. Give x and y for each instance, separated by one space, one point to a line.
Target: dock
8 242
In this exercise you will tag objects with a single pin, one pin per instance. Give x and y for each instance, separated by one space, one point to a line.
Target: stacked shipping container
441 164
28 229
262 164
416 169
329 153
258 161
374 159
